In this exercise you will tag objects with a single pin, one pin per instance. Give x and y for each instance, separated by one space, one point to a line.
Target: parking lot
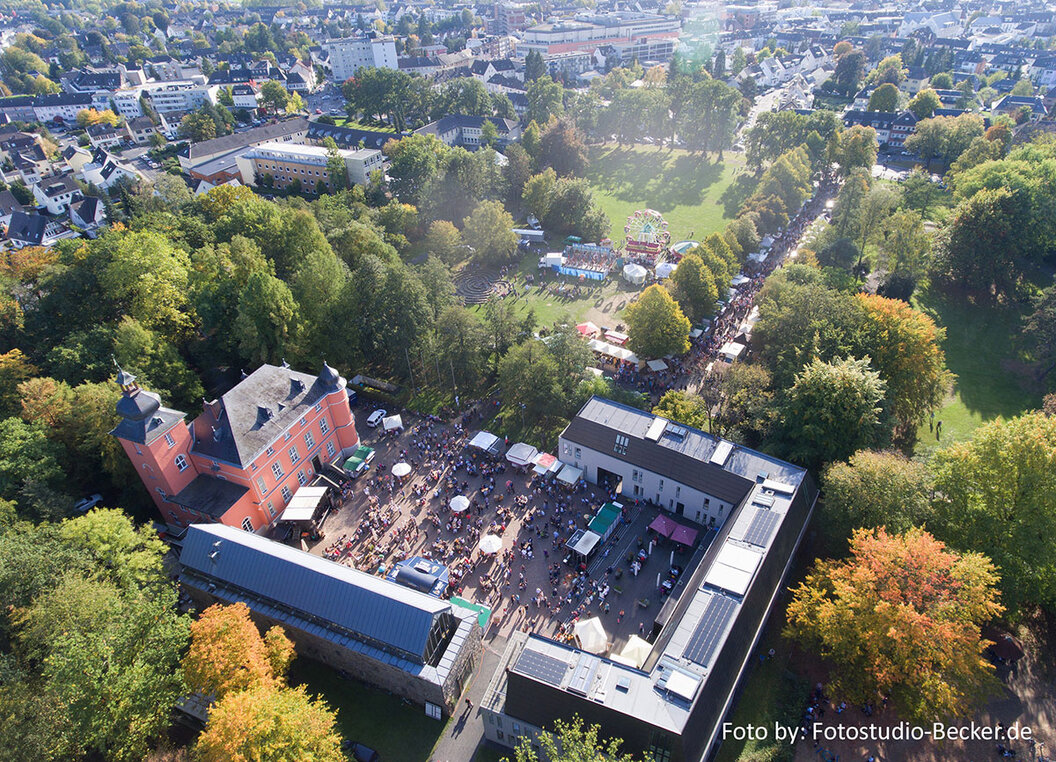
532 582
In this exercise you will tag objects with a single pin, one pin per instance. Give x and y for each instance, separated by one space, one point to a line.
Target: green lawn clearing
682 186
981 350
396 729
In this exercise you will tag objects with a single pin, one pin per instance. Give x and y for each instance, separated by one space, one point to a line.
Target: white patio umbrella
459 503
401 469
490 544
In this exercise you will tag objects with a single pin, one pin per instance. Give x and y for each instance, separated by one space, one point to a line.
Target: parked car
376 418
360 752
86 504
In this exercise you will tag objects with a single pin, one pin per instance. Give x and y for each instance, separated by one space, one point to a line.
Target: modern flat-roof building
350 54
645 36
285 163
672 706
239 462
416 645
285 131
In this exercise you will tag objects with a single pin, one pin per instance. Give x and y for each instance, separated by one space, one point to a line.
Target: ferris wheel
646 227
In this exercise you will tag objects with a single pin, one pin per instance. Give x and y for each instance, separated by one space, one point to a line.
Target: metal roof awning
656 365
545 463
303 504
392 423
486 441
583 542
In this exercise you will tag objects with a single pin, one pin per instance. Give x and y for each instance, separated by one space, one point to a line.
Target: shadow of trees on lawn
663 179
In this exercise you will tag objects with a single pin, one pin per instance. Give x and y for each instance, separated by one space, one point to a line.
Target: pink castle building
242 459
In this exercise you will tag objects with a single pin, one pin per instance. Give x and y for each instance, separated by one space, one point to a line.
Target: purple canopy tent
663 525
684 535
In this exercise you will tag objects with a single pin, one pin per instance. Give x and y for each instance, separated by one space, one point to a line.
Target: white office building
350 54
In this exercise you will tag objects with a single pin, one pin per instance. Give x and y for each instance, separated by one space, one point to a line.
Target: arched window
181 462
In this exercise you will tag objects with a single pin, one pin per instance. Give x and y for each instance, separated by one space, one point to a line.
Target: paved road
465 732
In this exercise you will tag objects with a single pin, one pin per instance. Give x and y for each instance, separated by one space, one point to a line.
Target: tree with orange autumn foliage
904 346
900 617
270 724
27 264
228 655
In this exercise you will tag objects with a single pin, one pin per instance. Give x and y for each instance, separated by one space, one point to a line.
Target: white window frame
249 521
324 427
276 469
287 496
181 462
169 440
330 449
302 479
295 456
309 440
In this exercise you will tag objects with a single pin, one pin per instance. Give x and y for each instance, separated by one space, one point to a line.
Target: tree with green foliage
694 288
884 98
571 741
924 103
545 99
274 96
444 241
994 492
874 489
534 68
530 380
832 410
336 170
573 211
28 456
413 163
684 407
538 193
657 325
267 319
854 147
912 637
489 233
561 147
197 126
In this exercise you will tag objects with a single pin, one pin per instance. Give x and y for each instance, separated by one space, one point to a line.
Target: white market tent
587 542
401 469
459 503
490 544
739 280
570 474
545 463
392 423
611 350
553 259
656 365
591 635
758 256
487 442
634 273
636 651
521 454
731 351
664 270
303 504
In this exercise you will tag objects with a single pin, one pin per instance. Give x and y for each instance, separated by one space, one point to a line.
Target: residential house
1012 104
88 213
34 229
141 129
60 107
105 135
8 206
57 193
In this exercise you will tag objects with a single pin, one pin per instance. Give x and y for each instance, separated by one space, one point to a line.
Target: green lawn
981 350
397 730
682 186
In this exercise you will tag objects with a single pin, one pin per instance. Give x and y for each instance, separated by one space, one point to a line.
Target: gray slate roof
249 137
242 429
377 610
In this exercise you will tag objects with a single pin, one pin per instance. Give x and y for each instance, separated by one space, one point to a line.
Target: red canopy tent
684 535
663 525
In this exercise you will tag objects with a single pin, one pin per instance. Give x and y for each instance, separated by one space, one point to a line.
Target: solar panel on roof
709 630
762 528
541 667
